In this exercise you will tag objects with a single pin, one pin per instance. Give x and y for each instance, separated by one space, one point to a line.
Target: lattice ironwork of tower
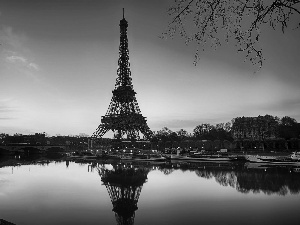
123 116
124 186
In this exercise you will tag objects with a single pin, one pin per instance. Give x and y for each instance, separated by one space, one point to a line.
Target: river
111 192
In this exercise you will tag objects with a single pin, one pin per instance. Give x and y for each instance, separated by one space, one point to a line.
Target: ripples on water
110 192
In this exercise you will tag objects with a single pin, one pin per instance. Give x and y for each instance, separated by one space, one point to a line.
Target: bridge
15 148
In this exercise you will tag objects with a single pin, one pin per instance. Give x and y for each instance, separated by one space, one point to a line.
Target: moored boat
150 157
295 156
262 158
126 157
272 161
216 158
254 158
179 157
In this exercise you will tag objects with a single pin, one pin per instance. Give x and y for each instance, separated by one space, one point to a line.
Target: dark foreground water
142 193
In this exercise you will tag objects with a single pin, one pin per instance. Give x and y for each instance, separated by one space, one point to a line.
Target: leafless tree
241 21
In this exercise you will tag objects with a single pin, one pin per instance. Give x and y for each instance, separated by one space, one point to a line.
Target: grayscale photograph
149 112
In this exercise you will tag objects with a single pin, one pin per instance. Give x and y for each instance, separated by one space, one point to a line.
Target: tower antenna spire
123 13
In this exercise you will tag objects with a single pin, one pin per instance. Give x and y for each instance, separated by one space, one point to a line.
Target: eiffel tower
123 116
124 185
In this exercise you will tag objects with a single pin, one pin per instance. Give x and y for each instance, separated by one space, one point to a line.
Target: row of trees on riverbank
262 132
243 133
254 128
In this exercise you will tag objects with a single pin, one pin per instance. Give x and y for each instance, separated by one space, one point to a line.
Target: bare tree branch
182 11
239 20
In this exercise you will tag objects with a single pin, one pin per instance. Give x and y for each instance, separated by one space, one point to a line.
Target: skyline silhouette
58 65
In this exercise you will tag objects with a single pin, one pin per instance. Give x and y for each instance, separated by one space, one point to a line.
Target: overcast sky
58 66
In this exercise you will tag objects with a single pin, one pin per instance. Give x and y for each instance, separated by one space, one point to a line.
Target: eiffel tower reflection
124 185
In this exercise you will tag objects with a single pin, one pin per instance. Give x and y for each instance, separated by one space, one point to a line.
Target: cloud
33 66
14 49
15 59
22 61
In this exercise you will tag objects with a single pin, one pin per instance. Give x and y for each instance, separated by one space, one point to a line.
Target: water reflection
244 177
124 184
173 192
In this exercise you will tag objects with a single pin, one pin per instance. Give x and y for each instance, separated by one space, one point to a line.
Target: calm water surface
133 193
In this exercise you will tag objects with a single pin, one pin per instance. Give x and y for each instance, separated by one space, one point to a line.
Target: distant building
255 128
83 135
